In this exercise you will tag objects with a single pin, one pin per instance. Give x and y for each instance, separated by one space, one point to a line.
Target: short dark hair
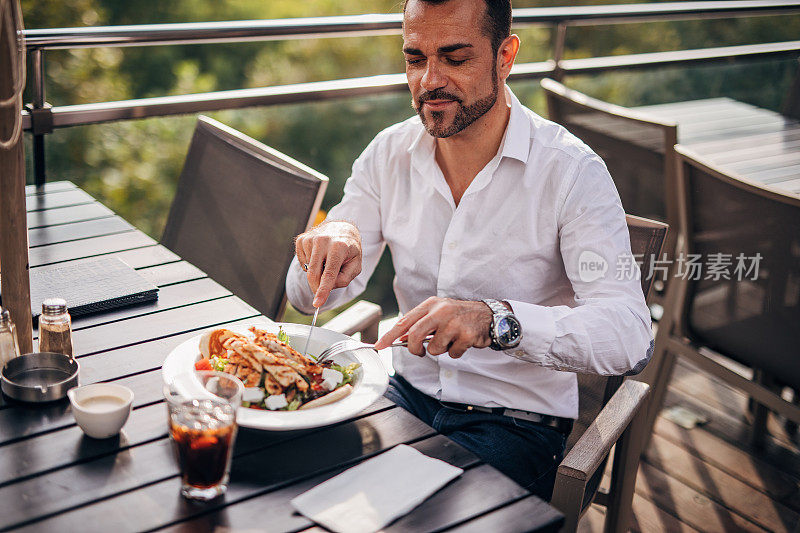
496 25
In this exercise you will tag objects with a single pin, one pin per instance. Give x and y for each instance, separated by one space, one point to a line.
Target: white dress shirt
518 234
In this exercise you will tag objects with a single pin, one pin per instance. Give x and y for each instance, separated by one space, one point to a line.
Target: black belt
564 425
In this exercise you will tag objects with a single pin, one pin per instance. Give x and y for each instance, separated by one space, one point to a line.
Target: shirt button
448 374
452 245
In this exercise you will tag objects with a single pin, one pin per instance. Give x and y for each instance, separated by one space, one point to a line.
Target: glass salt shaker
9 347
55 327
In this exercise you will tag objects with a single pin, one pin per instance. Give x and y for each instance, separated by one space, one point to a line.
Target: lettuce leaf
282 336
347 372
294 404
219 363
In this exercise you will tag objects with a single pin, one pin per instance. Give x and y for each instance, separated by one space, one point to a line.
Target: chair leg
760 415
791 106
619 512
791 425
664 363
567 498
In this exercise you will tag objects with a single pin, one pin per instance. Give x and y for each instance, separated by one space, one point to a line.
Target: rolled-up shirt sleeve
608 331
360 205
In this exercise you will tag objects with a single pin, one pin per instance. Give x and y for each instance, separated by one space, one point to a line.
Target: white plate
369 383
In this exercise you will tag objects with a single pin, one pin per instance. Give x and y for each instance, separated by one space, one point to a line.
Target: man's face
450 65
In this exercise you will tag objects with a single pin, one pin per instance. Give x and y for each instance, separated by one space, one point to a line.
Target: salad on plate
276 376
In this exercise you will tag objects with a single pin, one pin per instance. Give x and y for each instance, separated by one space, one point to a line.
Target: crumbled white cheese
334 375
276 401
253 394
331 378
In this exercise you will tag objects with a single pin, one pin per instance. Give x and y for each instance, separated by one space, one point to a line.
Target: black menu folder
90 287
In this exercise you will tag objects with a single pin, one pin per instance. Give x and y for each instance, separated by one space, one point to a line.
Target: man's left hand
456 324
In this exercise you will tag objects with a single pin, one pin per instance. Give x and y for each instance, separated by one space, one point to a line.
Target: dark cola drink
203 432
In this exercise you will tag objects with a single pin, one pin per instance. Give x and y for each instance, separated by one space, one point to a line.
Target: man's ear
506 55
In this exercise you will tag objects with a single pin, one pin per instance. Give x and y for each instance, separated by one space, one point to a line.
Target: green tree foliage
133 166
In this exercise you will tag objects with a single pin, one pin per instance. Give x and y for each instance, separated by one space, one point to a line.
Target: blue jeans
526 452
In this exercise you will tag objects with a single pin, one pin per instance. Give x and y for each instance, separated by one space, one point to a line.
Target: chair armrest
361 317
594 445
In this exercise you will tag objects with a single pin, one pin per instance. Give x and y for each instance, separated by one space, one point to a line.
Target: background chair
753 321
237 208
612 412
637 149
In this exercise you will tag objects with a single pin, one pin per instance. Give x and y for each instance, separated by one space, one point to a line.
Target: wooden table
53 478
752 142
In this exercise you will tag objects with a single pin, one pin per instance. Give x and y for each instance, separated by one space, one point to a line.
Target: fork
338 348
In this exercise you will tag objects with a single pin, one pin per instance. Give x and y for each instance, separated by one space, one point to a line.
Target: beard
465 114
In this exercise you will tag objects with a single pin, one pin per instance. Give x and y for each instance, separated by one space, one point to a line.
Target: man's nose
433 78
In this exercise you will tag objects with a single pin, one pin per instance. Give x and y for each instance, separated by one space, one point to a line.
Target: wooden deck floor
709 478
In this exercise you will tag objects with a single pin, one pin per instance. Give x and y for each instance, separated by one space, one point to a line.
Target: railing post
39 111
559 37
13 222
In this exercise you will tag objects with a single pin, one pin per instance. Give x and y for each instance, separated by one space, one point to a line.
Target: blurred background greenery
133 166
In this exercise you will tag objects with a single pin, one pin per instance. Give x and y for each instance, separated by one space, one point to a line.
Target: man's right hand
332 252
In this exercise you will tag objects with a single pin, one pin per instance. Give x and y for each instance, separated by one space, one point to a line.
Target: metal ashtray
39 377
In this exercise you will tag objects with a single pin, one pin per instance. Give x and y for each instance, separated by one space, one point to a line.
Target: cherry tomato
203 364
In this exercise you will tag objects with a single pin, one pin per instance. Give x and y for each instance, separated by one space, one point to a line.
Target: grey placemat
90 287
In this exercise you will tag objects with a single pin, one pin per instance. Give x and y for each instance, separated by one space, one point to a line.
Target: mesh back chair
238 206
754 233
637 149
612 412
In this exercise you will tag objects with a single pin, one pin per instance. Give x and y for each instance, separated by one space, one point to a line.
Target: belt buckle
525 415
465 407
460 407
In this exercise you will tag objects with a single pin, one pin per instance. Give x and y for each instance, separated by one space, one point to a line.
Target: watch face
508 331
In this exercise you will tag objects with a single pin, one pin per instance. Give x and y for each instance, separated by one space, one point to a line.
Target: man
480 198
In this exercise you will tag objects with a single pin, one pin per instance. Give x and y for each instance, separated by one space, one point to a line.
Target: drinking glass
202 425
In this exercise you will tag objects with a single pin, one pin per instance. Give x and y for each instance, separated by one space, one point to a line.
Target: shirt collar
517 139
415 147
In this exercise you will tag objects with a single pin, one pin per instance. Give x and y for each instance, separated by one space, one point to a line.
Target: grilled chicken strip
270 342
246 358
249 377
279 367
272 386
286 376
266 356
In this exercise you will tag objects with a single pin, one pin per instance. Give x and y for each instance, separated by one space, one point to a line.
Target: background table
755 143
53 478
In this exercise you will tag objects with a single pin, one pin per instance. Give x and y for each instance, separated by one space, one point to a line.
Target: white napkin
372 494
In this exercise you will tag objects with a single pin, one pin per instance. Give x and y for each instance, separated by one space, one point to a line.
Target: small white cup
101 409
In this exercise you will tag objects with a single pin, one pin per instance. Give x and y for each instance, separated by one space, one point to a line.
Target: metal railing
40 118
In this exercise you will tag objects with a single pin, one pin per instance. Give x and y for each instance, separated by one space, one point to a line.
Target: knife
316 312
310 331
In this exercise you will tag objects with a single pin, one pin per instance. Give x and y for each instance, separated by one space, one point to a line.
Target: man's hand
332 252
456 324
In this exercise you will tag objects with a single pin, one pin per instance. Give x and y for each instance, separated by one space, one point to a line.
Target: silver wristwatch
506 331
